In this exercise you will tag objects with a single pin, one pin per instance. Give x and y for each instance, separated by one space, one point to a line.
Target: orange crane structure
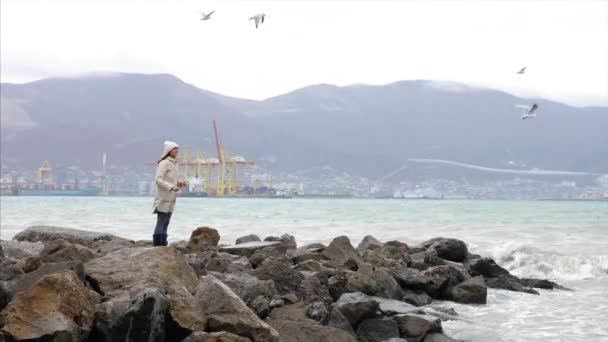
226 182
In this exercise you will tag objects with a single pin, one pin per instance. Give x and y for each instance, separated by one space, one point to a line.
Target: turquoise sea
564 241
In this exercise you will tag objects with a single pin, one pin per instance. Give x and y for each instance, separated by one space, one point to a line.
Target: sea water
566 242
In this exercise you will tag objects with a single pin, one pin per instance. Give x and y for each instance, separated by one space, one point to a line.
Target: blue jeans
162 223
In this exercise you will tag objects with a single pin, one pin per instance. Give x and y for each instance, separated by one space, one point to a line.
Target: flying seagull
206 16
529 111
522 71
258 18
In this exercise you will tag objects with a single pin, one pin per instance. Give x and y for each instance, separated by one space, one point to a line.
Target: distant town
256 181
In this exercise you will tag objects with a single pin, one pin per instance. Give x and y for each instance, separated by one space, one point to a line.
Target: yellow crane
45 173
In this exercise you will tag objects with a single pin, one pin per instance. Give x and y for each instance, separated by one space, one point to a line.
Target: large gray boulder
227 312
49 233
357 307
286 280
470 291
20 249
340 250
377 330
248 287
120 272
140 315
374 281
415 327
57 308
61 250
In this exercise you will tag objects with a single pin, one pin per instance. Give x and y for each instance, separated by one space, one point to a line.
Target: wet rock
377 330
470 291
340 250
221 336
416 298
29 264
49 233
542 284
317 311
28 280
203 238
374 281
61 250
57 307
487 268
390 307
247 249
336 319
433 281
293 331
248 287
247 238
261 306
449 249
262 254
315 288
436 337
227 312
9 270
509 282
415 327
369 242
356 307
286 280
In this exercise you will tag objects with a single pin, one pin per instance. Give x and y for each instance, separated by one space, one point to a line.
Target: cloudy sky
564 44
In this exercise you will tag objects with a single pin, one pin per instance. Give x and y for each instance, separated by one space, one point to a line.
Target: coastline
332 291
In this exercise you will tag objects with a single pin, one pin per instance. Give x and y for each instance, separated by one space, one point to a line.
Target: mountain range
362 129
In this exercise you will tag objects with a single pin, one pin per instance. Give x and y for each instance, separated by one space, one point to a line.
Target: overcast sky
564 44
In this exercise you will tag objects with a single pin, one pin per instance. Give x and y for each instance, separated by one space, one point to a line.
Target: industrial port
216 174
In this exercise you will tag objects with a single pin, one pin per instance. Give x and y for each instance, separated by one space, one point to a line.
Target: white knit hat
167 147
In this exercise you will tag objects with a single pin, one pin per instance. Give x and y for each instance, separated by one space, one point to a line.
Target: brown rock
61 250
29 264
202 238
227 312
298 331
248 248
286 280
340 250
28 280
57 306
470 291
415 327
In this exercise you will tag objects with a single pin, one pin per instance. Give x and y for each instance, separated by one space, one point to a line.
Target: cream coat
166 184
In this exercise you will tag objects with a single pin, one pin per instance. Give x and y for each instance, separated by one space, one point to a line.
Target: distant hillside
365 130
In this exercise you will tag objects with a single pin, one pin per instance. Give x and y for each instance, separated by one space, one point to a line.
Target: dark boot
157 240
164 240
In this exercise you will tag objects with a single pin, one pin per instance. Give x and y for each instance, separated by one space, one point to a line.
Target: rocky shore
60 284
